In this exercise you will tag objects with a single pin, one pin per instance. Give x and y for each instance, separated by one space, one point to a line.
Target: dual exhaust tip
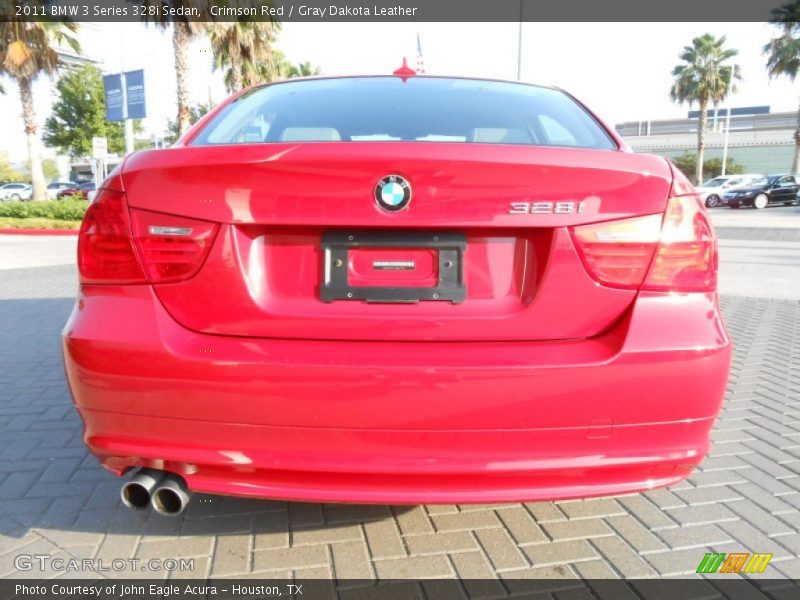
166 492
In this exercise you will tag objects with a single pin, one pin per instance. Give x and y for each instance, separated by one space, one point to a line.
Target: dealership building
761 141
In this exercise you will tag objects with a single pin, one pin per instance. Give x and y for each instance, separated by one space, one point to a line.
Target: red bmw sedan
396 290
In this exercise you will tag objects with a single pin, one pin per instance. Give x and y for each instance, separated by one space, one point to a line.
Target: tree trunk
796 162
34 158
180 40
702 126
236 72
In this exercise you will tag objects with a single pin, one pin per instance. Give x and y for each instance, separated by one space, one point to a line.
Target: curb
13 231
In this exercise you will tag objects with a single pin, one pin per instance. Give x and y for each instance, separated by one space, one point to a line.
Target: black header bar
388 10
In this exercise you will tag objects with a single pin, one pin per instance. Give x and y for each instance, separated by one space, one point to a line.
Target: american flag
420 61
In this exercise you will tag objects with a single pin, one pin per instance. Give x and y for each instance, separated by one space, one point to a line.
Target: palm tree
245 49
703 78
27 51
783 56
184 30
276 68
305 69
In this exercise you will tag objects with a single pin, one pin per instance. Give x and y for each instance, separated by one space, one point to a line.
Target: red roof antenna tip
404 72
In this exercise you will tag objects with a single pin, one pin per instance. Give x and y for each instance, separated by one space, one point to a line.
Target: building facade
761 141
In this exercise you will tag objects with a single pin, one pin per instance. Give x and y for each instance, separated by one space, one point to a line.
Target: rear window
421 109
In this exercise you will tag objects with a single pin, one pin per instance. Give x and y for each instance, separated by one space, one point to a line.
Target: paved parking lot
759 252
54 499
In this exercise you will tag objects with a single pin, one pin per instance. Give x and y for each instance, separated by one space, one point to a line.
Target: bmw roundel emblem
393 193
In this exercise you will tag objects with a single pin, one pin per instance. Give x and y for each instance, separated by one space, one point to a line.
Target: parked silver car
15 191
713 192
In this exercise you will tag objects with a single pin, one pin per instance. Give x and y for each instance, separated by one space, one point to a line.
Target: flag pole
420 60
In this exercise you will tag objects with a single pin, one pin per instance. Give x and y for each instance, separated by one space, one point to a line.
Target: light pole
127 123
519 44
727 122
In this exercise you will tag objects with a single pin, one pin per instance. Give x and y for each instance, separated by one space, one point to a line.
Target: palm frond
703 76
244 49
783 51
783 56
28 49
787 14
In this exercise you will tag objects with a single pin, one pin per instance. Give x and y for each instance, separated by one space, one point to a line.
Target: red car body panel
522 420
544 383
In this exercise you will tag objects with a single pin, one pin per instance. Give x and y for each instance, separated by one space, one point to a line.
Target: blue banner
134 94
113 89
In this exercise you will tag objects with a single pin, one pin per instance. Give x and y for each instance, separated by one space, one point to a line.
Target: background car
78 189
56 186
15 191
773 189
711 192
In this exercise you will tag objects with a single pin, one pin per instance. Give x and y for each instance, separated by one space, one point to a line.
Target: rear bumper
399 422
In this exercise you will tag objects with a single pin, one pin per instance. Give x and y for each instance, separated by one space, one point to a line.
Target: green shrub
687 163
68 209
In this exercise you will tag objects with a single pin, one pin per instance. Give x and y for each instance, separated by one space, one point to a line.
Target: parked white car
56 186
15 191
711 192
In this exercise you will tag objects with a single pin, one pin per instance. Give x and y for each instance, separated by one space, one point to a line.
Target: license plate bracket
336 247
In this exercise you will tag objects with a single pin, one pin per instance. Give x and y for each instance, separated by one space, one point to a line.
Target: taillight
105 247
145 247
673 252
172 248
686 259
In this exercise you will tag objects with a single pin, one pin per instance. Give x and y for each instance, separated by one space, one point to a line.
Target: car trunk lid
511 205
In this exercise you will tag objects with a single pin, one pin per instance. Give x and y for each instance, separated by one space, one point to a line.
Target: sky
619 70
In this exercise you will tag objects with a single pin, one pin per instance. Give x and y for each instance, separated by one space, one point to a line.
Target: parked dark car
772 189
54 187
79 189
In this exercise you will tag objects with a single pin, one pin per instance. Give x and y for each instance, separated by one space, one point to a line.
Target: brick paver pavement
56 500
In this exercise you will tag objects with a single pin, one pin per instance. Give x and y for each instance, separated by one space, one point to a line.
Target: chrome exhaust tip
171 496
137 492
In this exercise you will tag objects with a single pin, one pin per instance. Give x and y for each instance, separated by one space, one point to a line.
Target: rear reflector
145 247
678 255
618 253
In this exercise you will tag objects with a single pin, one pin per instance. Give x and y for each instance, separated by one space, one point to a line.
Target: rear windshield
370 109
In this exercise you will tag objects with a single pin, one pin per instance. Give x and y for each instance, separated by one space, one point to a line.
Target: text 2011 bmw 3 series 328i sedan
397 290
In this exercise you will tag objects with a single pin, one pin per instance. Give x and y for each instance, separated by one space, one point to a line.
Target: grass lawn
36 223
